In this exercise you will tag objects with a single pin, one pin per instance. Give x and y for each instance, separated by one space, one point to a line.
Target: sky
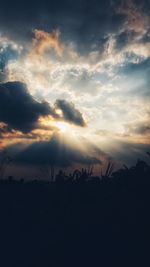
74 83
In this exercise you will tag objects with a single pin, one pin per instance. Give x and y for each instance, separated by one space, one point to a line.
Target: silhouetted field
78 220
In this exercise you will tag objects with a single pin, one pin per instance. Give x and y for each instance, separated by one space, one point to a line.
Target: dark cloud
144 129
70 113
81 21
19 109
141 128
86 23
137 20
53 152
128 153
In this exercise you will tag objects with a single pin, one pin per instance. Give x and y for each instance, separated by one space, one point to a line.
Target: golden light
53 125
62 126
59 112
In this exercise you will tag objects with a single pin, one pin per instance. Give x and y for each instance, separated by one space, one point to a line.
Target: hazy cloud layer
52 152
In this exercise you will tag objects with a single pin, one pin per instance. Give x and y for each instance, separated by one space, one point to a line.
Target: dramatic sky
74 82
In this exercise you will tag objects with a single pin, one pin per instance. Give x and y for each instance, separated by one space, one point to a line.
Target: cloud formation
19 109
137 20
43 41
70 113
52 152
140 128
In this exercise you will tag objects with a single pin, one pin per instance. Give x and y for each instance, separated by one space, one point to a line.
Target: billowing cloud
43 41
137 20
70 113
19 109
81 23
140 49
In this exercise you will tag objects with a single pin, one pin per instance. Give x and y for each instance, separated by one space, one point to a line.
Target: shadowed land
78 220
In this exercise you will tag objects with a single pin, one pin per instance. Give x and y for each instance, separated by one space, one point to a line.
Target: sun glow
62 126
57 125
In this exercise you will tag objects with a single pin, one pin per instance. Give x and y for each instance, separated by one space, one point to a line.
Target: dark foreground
92 223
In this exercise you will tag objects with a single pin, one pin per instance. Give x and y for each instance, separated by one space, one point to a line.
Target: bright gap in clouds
63 126
107 83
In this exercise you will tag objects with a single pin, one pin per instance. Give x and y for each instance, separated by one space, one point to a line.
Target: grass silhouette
78 220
